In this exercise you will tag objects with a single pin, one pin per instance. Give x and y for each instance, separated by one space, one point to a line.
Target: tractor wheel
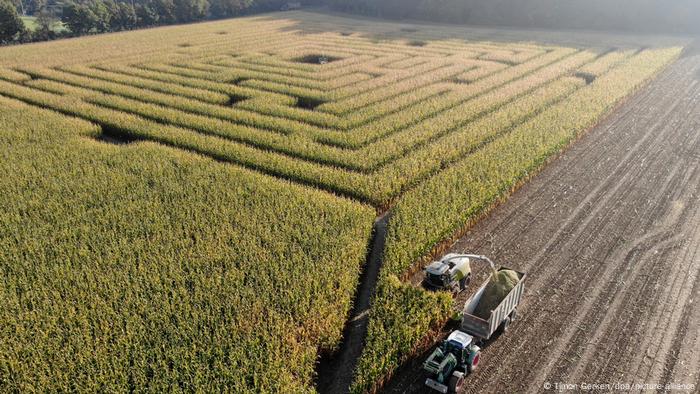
472 366
456 382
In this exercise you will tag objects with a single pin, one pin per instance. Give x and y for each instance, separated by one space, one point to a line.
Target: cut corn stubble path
609 235
335 373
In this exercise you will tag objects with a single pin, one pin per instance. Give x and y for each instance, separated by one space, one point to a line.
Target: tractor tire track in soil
609 235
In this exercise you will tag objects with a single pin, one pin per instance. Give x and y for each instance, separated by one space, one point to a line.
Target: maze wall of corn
218 184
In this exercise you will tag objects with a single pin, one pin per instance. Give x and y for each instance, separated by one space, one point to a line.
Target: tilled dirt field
609 234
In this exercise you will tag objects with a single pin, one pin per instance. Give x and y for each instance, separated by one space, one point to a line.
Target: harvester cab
451 361
452 272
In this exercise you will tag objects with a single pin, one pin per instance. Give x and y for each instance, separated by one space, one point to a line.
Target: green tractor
451 361
452 272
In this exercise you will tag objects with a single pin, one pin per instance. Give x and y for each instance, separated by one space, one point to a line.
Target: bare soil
609 235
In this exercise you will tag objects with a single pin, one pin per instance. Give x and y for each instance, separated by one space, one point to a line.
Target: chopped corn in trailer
501 316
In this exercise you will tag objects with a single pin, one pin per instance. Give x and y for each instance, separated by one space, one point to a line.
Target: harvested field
610 237
318 122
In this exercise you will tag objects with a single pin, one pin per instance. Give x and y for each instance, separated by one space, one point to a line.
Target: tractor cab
448 363
458 344
452 272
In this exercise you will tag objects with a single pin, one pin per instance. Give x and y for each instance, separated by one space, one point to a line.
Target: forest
81 17
51 19
658 16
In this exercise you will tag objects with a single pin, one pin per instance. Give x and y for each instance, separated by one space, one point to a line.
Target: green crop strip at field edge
434 129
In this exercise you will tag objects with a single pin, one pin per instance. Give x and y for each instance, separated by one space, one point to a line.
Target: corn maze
369 124
433 130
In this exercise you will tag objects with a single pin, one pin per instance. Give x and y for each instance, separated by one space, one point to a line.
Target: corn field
211 188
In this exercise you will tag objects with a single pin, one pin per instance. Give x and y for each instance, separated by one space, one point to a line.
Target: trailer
501 317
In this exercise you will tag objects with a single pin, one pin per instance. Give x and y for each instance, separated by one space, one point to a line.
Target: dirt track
609 235
335 370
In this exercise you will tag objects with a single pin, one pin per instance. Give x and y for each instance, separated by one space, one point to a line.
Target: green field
188 208
31 24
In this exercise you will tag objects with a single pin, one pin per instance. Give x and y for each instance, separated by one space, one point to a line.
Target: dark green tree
123 15
146 15
29 7
11 25
165 9
45 25
19 6
191 10
79 18
228 8
103 15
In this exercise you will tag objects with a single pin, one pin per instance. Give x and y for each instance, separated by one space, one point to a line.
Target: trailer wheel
505 324
456 382
514 314
472 366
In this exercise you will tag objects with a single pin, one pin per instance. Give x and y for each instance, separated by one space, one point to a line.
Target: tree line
658 16
80 17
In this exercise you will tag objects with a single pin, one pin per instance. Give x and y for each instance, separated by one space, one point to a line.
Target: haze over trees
638 15
82 17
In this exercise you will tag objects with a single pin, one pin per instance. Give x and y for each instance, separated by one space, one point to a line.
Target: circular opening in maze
417 43
185 45
234 99
588 77
237 81
308 102
316 59
112 135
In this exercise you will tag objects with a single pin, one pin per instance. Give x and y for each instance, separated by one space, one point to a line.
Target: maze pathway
362 119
